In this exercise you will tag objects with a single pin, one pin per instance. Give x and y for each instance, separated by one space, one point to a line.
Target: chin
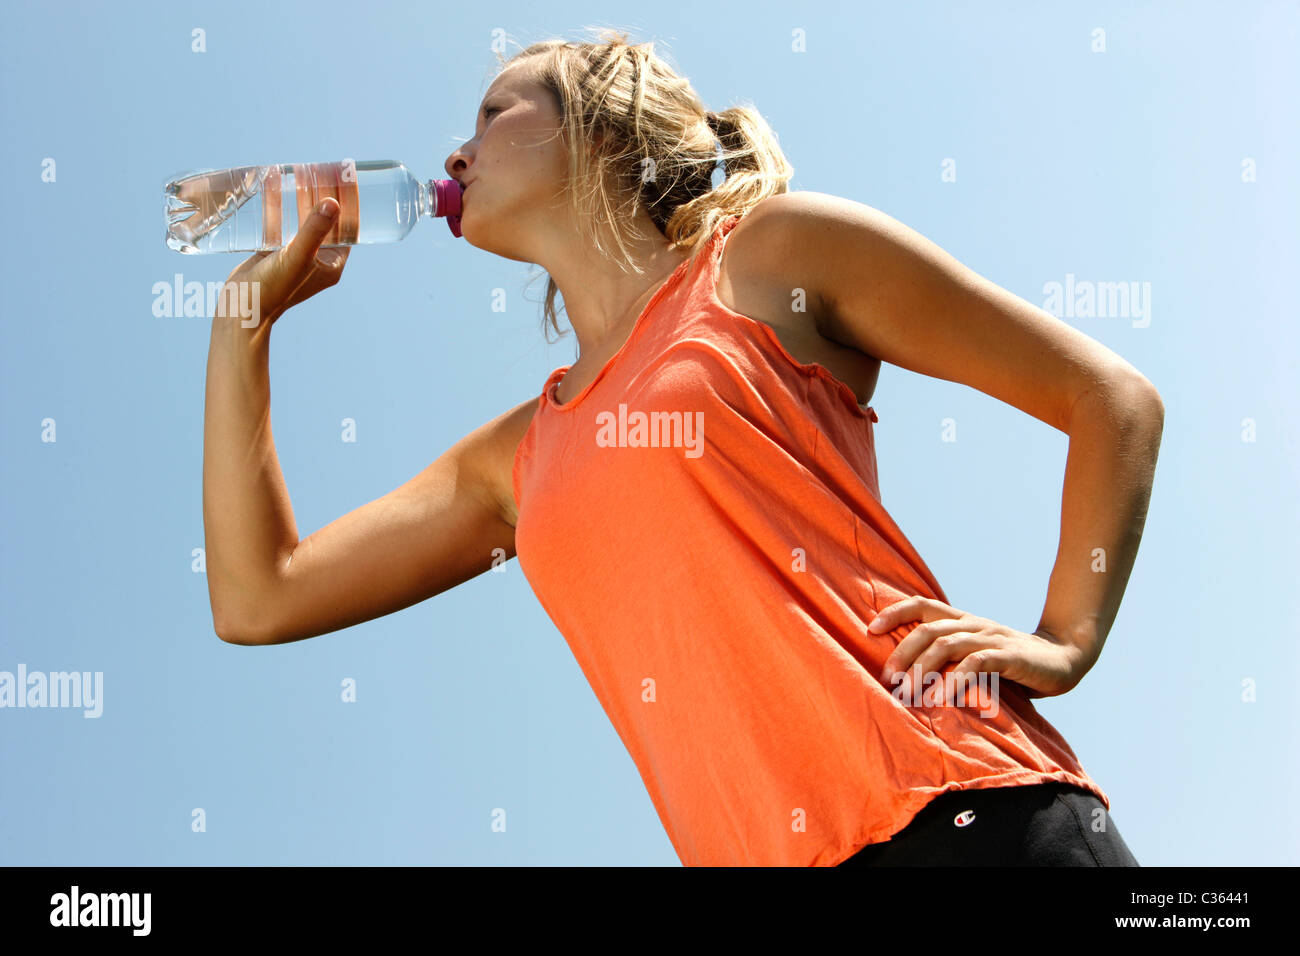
469 230
488 242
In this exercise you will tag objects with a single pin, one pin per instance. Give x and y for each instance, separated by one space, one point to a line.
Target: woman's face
513 167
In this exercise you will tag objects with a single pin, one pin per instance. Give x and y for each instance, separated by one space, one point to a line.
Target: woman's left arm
1114 440
880 287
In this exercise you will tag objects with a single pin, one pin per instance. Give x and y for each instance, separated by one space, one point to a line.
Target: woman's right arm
441 528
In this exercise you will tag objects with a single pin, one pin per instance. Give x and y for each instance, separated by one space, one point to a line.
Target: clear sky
1167 159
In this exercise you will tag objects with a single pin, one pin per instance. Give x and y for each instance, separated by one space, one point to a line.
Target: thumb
302 249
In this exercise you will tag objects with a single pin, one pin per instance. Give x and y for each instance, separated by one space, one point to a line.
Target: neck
600 299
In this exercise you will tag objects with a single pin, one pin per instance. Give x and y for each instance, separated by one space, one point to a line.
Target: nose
456 164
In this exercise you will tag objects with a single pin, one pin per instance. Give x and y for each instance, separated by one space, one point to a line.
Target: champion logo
965 818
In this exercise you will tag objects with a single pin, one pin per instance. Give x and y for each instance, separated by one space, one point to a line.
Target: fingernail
327 209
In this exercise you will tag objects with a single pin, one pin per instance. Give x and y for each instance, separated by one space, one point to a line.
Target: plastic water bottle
259 208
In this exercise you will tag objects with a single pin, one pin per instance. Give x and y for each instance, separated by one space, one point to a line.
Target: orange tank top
703 525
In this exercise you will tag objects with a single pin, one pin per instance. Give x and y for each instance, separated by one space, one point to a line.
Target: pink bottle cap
448 198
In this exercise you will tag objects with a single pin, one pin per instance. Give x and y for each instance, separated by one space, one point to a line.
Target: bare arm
886 290
1109 470
249 531
439 529
436 531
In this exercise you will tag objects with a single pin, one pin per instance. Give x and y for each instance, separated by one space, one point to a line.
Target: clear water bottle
259 208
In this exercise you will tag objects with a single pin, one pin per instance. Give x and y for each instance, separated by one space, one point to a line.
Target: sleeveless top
702 523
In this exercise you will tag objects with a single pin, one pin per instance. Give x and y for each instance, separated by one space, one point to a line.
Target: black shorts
1042 824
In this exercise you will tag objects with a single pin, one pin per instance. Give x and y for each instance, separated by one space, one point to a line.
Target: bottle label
316 181
271 235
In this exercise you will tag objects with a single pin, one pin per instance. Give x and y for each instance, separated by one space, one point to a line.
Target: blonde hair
637 134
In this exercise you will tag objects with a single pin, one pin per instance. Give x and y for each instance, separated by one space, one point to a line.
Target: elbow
1157 407
1141 395
1147 415
232 631
224 624
227 633
241 616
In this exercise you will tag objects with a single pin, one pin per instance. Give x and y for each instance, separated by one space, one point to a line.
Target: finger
917 640
910 609
910 648
332 259
322 276
298 264
987 660
889 616
950 641
301 251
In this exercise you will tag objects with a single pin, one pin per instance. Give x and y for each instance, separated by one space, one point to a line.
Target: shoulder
802 240
808 209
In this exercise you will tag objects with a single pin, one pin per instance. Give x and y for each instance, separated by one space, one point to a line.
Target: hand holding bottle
289 275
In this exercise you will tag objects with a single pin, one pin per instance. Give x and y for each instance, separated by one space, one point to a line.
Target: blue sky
1117 166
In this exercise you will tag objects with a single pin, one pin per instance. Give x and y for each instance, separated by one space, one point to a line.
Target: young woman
694 500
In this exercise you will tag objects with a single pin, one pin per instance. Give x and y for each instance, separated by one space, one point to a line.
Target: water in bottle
259 208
